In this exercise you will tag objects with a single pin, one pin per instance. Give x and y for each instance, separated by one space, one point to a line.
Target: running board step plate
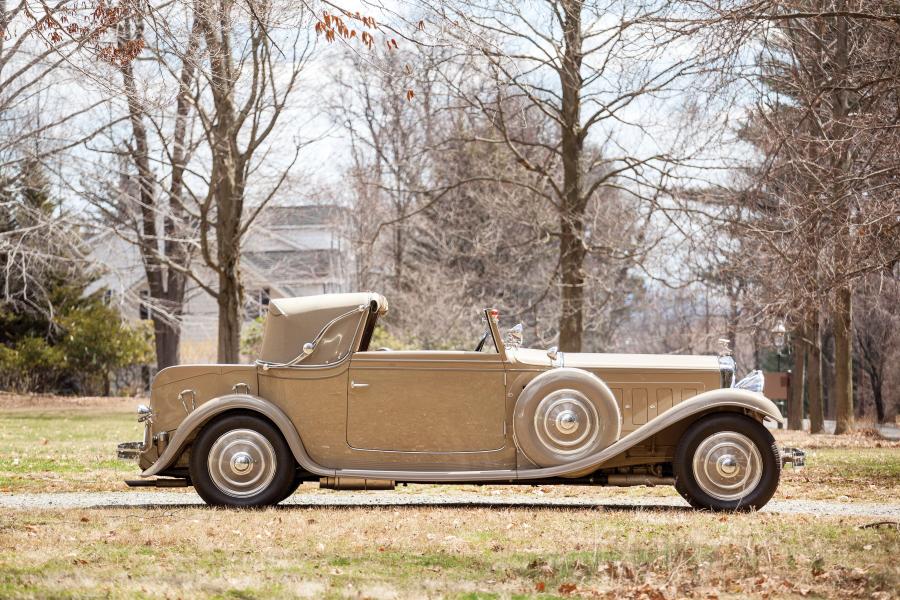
157 482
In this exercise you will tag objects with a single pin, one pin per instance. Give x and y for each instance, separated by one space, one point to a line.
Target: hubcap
567 423
241 463
727 465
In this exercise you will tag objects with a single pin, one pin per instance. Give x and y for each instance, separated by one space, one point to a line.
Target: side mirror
553 352
513 338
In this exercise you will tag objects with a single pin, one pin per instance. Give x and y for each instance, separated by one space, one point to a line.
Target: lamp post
779 334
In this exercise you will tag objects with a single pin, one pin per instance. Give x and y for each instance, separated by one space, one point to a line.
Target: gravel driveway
166 499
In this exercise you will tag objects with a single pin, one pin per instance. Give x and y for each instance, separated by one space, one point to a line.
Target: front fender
727 398
206 411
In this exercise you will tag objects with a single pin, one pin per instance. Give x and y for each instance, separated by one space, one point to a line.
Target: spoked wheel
242 460
727 462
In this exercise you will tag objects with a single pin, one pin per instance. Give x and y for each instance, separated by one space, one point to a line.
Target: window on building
258 303
144 309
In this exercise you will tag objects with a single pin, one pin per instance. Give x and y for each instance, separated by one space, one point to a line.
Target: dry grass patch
863 437
64 447
53 443
441 552
9 401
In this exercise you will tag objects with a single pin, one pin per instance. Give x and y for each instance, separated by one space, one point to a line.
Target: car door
426 402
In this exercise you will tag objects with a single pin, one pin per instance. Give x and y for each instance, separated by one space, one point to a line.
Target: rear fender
188 428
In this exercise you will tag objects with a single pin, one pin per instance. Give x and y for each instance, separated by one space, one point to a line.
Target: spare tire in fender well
565 414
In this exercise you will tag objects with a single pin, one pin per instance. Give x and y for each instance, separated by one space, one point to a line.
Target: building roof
311 215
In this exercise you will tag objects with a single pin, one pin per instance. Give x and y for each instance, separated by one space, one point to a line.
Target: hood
594 360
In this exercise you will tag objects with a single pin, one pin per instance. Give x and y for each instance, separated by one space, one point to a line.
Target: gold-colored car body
348 411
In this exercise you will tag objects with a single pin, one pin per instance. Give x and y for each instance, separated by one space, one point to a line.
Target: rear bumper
129 450
133 450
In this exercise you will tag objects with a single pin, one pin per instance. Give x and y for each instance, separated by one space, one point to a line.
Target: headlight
753 382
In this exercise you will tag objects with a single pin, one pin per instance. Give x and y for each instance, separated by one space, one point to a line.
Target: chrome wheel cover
566 423
241 463
727 465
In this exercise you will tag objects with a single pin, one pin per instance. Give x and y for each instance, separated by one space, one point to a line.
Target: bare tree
587 67
256 53
826 139
159 204
876 335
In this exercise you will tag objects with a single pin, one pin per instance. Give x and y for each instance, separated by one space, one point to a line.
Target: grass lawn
423 551
441 552
58 449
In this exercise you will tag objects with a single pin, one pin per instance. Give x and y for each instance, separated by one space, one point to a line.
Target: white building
288 251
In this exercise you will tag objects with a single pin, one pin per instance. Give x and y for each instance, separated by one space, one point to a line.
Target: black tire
236 437
298 478
699 486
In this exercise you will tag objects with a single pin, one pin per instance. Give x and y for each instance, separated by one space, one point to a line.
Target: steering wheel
481 342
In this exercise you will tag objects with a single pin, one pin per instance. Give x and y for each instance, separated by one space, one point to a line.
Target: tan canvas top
293 322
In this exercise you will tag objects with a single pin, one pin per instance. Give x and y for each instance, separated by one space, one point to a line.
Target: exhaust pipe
628 480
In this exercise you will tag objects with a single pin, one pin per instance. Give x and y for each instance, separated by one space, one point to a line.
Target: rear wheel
242 460
727 462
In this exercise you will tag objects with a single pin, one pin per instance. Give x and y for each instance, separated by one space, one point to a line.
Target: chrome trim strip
428 452
353 365
397 357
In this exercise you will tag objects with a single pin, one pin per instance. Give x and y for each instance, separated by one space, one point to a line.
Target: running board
158 482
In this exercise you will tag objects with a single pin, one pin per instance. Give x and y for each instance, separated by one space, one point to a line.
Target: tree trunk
572 204
843 361
229 300
167 335
571 316
166 283
795 402
877 396
814 376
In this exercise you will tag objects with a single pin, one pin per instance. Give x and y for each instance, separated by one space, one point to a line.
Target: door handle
354 384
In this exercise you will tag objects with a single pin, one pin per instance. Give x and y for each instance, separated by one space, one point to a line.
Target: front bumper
795 456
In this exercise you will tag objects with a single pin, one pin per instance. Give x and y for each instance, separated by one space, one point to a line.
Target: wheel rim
727 465
241 463
567 423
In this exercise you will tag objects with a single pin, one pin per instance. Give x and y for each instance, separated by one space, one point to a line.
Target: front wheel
727 462
241 460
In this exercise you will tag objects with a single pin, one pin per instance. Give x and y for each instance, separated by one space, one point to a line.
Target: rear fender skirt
206 411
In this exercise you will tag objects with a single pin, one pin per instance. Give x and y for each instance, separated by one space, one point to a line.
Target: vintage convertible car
320 404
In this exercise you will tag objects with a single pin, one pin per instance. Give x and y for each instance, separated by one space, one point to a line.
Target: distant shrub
84 347
252 337
32 365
